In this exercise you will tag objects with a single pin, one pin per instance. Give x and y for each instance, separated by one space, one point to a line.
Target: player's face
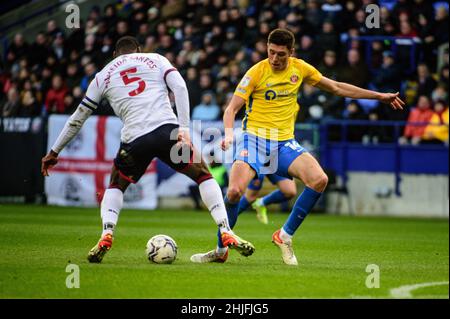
278 56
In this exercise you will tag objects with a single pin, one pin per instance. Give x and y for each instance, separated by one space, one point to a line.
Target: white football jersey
135 87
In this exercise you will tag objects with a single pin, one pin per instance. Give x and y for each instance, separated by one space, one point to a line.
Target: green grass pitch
38 242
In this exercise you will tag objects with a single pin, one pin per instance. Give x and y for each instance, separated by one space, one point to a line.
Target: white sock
285 236
212 197
110 208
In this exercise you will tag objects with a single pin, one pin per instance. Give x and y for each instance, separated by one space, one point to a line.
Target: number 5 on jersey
127 80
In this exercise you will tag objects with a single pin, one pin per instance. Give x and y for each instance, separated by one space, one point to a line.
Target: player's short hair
126 44
282 37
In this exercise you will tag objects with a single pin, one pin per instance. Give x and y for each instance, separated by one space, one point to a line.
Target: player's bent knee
234 194
320 183
198 172
119 187
289 193
204 176
118 182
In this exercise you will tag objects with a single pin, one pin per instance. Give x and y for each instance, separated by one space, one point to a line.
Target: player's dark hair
126 44
282 37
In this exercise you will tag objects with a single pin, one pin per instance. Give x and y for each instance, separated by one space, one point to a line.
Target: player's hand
48 161
393 100
183 137
226 142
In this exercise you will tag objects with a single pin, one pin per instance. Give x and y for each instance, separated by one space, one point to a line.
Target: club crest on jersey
244 153
245 81
294 78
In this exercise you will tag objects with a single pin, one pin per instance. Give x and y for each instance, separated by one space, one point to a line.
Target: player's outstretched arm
71 128
235 104
354 92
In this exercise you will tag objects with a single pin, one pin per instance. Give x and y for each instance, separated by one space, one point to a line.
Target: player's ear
114 54
139 49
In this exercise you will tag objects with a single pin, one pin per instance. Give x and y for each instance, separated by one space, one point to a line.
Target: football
161 249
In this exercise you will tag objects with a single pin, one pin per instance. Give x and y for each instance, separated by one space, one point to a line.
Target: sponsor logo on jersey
283 93
270 95
241 90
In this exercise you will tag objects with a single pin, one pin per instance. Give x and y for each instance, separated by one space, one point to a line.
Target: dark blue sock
232 212
305 202
243 205
276 196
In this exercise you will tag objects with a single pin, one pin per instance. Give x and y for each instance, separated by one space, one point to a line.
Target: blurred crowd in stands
213 43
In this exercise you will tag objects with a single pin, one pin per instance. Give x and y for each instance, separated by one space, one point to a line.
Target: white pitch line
405 291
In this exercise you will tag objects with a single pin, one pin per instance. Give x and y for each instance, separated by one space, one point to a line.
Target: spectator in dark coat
426 82
328 66
250 33
29 101
354 111
12 106
307 51
39 50
18 49
328 39
388 77
356 71
442 22
193 86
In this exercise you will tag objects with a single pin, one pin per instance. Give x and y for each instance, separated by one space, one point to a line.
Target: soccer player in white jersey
136 86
